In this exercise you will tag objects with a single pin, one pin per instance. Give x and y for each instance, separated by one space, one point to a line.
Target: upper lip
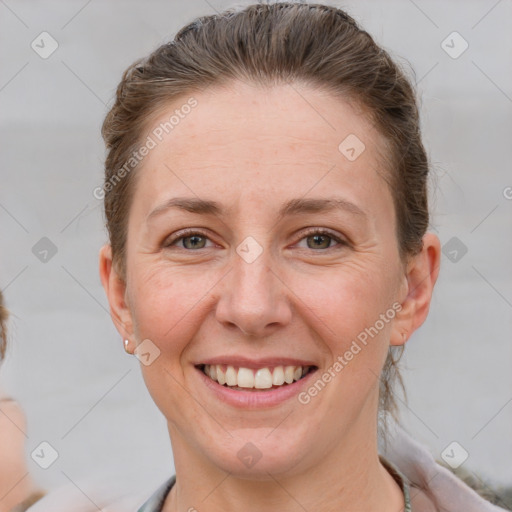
246 362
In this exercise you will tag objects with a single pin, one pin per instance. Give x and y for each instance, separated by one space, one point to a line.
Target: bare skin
16 484
252 150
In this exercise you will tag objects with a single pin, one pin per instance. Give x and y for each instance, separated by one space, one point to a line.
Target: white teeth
231 376
221 376
263 378
289 373
245 378
278 376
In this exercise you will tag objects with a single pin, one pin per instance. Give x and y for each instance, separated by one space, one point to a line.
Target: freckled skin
252 149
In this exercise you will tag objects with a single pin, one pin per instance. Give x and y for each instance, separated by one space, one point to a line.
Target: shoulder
90 496
93 495
433 487
16 486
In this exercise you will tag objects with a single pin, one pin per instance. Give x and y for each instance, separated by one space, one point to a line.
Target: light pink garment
442 487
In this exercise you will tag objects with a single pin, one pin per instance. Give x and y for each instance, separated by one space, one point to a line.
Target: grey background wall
66 364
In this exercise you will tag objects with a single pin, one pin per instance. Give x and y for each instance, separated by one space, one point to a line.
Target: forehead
243 140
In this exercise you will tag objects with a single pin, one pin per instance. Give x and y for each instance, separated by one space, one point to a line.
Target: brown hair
269 44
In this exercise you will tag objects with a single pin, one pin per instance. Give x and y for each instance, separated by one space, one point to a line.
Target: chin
253 454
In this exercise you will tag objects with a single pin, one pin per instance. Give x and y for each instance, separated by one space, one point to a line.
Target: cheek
345 309
351 311
343 302
163 305
166 308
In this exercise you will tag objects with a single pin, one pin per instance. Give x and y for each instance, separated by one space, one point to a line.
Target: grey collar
157 499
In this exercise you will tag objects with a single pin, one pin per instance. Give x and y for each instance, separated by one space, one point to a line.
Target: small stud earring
126 342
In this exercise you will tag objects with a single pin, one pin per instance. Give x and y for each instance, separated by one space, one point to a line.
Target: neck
350 478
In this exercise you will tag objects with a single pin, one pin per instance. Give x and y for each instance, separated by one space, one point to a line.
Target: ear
419 280
115 289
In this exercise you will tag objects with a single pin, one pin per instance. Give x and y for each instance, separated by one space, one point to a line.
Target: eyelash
314 231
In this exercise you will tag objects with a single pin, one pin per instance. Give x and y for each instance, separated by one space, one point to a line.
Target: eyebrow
291 207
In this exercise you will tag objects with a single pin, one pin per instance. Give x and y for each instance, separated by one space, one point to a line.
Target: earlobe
115 289
422 273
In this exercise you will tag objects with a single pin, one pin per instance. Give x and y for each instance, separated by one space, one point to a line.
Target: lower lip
255 399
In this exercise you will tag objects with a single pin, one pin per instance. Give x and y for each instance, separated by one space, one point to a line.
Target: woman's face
251 285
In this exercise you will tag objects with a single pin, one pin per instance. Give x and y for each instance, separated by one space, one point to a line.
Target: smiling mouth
248 379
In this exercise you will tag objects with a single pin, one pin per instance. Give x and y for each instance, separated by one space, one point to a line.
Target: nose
254 299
